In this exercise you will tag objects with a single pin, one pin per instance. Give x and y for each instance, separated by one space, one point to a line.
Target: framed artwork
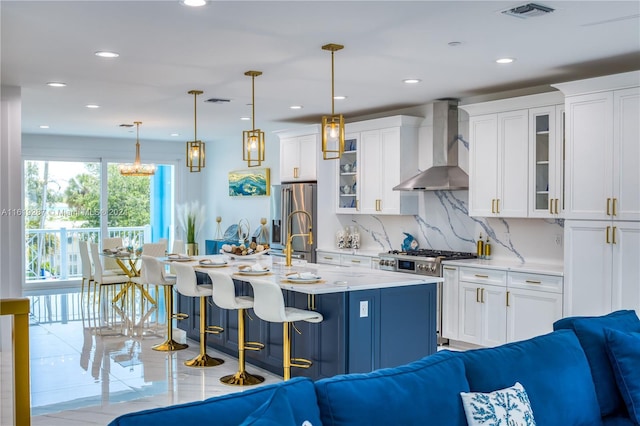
249 182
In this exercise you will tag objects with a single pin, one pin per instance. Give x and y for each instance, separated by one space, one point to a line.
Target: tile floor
80 377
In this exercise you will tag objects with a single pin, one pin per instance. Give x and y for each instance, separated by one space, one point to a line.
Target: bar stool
269 306
188 286
154 275
224 295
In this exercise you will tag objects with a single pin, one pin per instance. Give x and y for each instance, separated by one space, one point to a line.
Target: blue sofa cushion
552 368
424 392
275 412
623 349
231 409
590 332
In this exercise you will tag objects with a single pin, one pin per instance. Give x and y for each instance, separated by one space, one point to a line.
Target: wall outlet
364 308
559 239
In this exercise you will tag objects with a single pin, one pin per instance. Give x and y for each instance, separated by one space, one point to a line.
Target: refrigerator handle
286 209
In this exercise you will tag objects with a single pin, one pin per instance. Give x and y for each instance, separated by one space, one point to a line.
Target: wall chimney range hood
445 173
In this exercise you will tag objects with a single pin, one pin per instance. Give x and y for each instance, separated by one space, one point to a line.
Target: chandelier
137 168
253 140
195 148
332 125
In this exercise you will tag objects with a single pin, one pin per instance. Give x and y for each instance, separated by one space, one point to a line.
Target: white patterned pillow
506 407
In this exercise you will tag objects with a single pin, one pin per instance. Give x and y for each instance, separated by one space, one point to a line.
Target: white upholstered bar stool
224 295
187 285
153 272
269 306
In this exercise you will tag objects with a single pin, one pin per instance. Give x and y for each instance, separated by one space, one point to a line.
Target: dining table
129 263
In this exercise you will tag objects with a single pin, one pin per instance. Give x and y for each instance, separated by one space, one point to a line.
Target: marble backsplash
443 223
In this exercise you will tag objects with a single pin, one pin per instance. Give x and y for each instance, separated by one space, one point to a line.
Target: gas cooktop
431 254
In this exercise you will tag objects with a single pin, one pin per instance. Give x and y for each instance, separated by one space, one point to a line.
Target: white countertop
335 279
533 268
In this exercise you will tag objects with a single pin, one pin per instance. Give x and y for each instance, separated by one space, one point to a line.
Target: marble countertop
334 279
533 268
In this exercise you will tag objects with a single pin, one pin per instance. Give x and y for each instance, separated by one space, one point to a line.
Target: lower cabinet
344 259
361 330
489 307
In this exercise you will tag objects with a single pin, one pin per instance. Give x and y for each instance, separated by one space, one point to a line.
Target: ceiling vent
218 100
529 10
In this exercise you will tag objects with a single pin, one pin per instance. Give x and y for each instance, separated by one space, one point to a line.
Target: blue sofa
571 377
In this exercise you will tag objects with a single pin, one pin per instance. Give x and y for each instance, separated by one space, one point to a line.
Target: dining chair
269 306
178 247
187 285
154 274
87 268
100 279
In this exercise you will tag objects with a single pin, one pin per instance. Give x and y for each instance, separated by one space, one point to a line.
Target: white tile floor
79 377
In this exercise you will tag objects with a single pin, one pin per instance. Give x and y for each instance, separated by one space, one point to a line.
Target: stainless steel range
423 262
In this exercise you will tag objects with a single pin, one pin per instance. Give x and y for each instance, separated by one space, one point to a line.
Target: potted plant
191 219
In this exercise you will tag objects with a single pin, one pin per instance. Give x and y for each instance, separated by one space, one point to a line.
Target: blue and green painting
249 182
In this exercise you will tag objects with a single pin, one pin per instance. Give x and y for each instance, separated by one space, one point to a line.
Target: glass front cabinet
546 156
348 176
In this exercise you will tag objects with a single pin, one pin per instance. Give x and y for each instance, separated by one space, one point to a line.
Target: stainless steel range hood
445 173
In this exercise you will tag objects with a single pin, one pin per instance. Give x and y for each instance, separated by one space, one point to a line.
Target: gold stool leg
169 344
203 360
242 378
286 350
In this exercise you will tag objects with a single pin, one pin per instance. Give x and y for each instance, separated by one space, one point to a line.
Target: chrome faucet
288 247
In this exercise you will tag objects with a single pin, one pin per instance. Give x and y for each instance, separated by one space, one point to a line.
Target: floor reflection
88 365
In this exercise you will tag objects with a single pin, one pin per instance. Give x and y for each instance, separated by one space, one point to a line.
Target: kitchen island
372 319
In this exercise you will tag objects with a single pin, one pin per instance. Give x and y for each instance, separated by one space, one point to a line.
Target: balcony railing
54 253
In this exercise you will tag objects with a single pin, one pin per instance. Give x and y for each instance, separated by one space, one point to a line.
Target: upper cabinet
379 154
602 173
515 157
299 154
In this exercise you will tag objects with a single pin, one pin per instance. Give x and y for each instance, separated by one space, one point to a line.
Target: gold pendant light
253 140
195 148
137 168
332 125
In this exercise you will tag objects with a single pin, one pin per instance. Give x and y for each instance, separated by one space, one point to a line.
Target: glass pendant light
137 168
332 125
195 148
253 140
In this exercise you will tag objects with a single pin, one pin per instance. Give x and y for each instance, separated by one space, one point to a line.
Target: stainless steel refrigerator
286 199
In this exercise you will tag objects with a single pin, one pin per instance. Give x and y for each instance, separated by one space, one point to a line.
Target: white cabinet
602 266
482 307
489 306
344 259
385 152
546 161
602 133
299 154
502 140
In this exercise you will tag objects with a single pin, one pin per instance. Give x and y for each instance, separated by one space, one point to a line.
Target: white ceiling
167 49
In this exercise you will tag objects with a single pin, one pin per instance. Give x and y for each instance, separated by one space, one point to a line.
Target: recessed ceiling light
454 43
295 107
92 106
175 134
106 54
245 118
411 81
505 60
339 97
193 3
44 126
56 84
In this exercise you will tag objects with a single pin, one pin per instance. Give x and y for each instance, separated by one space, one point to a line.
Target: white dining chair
269 306
104 281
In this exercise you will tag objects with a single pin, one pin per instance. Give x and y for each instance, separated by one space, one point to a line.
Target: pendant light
332 125
137 168
253 140
195 148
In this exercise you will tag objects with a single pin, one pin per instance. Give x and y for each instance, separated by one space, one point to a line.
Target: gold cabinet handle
608 206
508 299
613 235
481 276
448 268
358 205
327 258
615 207
482 295
355 261
532 282
296 172
378 205
478 294
607 237
493 205
497 205
550 205
557 202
